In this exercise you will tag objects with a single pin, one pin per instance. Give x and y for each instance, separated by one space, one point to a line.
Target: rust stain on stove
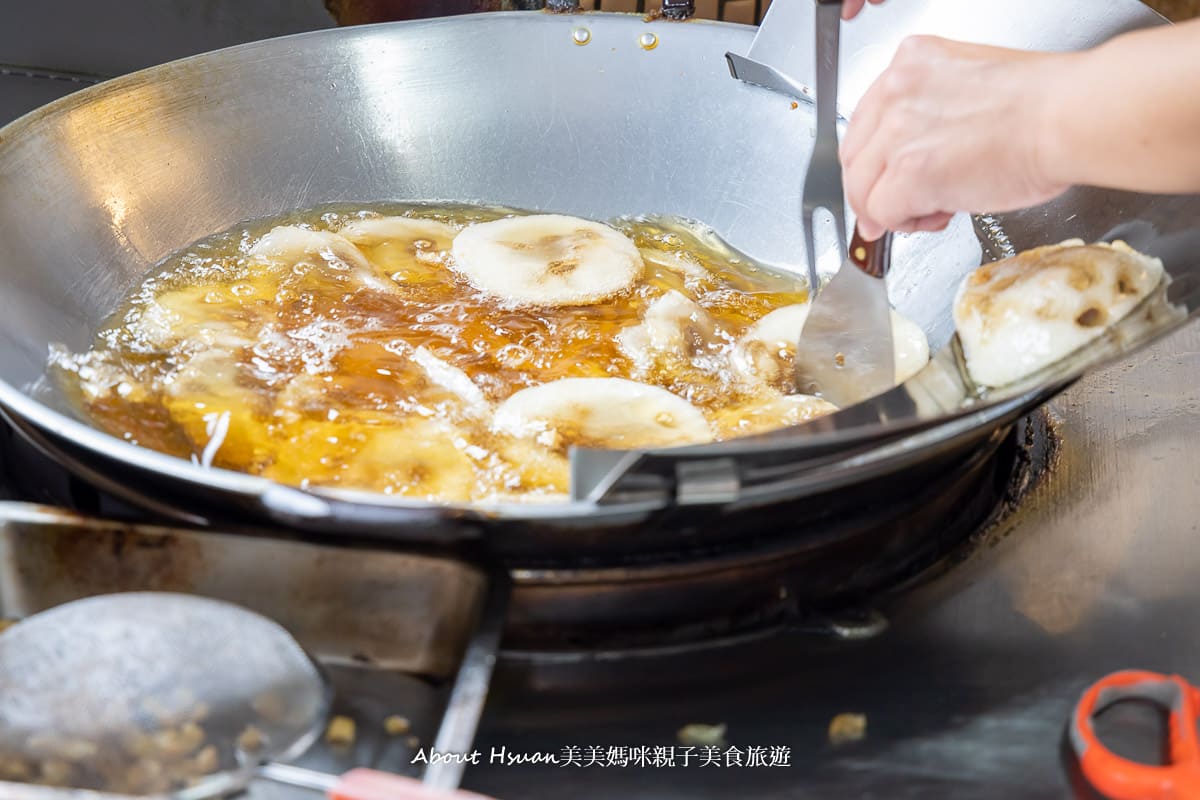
121 559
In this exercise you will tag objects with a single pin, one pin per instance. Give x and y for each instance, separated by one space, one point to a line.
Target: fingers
903 77
860 184
929 224
933 223
899 196
863 121
870 230
860 174
850 8
874 144
864 159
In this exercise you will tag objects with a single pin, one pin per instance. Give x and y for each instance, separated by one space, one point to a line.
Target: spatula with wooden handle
845 350
845 353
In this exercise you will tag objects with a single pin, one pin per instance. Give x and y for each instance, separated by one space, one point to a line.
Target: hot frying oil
314 375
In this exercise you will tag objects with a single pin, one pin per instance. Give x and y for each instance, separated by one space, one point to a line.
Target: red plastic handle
369 784
1120 778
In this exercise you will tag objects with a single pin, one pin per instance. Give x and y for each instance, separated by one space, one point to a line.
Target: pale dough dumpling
547 260
767 351
1024 313
374 231
601 412
538 426
769 413
414 457
213 410
673 327
404 248
453 380
191 317
291 244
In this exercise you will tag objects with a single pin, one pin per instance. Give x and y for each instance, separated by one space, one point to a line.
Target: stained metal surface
551 609
464 708
340 605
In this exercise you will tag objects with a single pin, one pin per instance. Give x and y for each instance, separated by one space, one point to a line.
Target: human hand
850 8
949 127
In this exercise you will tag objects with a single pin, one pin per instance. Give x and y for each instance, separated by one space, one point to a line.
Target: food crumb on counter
341 731
699 735
847 728
396 725
6 623
251 740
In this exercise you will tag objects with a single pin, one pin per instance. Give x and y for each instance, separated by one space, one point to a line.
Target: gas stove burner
769 574
774 582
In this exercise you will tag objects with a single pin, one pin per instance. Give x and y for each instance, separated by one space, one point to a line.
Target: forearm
1126 115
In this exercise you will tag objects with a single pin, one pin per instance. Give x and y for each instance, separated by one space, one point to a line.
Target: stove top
965 692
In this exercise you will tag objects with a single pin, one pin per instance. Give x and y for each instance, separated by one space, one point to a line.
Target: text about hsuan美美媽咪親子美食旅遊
596 756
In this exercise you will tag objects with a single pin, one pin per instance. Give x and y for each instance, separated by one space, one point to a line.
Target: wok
508 109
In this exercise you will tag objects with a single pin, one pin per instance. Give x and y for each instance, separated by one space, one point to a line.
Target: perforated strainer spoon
164 695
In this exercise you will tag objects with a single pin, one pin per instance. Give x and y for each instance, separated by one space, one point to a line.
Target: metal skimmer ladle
166 695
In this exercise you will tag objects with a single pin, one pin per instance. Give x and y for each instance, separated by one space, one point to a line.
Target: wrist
1055 148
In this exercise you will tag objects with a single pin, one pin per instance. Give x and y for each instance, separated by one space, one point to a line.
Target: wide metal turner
845 351
152 694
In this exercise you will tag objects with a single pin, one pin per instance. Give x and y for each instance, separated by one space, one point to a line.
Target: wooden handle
873 258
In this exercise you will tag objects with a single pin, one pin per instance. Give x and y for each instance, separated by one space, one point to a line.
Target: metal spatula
845 353
163 695
845 350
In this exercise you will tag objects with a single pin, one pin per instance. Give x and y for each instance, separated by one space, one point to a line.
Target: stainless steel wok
508 109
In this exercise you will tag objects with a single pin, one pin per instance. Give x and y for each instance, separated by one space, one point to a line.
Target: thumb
869 229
